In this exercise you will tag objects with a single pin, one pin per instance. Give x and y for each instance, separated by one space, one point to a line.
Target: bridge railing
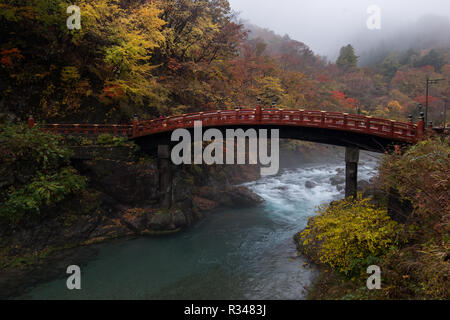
307 118
402 131
88 129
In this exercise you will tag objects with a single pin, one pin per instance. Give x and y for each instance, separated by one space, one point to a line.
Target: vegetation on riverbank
36 173
348 236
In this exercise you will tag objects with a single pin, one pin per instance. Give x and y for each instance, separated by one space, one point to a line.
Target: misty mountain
284 48
428 32
372 46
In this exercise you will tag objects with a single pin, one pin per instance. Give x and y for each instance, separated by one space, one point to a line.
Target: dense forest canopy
171 57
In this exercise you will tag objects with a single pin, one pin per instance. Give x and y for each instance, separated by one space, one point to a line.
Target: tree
433 58
270 90
103 71
389 67
347 58
201 40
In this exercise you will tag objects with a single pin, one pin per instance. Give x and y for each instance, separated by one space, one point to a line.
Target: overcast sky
326 25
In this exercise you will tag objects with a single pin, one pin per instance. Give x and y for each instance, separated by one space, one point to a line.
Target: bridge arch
355 132
341 129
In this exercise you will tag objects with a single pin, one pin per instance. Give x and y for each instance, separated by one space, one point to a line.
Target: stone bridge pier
165 175
351 171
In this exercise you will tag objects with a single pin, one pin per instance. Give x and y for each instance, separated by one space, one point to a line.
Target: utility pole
445 113
426 102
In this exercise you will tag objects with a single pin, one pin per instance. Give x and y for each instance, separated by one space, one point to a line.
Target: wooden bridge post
165 176
30 121
258 113
351 171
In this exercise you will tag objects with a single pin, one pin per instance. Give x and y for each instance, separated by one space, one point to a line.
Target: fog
327 25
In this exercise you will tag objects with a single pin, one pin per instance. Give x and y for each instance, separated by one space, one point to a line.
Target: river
231 254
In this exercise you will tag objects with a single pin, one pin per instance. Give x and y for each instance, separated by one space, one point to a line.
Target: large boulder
244 197
128 183
229 196
161 220
180 219
363 185
243 173
135 219
336 180
203 204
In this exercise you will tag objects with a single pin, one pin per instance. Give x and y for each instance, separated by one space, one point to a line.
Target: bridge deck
398 131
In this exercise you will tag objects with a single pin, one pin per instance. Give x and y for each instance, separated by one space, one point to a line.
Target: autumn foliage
348 234
176 56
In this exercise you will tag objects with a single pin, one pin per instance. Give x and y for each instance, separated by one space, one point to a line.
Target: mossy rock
161 220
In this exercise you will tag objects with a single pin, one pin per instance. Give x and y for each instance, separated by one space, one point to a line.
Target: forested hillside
170 57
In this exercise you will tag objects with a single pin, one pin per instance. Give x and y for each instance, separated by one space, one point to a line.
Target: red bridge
337 128
354 132
406 132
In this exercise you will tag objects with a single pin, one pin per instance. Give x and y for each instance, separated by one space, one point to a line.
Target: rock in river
336 180
310 184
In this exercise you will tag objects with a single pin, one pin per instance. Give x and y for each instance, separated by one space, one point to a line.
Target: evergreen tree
347 58
389 66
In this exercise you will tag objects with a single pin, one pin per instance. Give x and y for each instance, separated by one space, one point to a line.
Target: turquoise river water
231 254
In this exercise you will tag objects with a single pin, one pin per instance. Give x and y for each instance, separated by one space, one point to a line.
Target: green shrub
32 150
77 141
44 190
35 172
119 141
349 235
105 139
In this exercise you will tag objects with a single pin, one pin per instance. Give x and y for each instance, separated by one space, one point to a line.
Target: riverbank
408 240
